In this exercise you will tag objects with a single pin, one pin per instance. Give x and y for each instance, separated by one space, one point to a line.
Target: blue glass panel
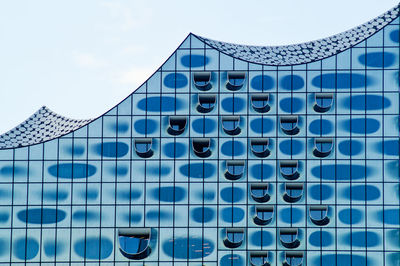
4 216
204 125
230 148
377 59
262 125
390 216
291 105
198 170
232 260
361 192
230 194
194 60
232 215
350 147
145 126
361 125
188 248
41 216
262 171
329 81
158 215
321 192
390 147
85 215
175 149
112 149
363 239
292 82
263 238
163 170
340 171
54 195
76 150
340 259
157 104
291 147
51 249
9 170
262 82
203 215
394 36
169 194
291 215
321 126
72 170
25 248
175 80
321 239
350 216
129 194
94 248
366 102
233 104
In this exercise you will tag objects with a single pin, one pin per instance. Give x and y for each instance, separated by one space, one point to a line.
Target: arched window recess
143 147
206 102
177 125
289 237
289 124
134 243
201 147
234 237
293 192
260 102
235 80
323 102
263 214
289 169
234 169
322 147
293 258
259 258
259 147
202 80
259 192
230 125
319 215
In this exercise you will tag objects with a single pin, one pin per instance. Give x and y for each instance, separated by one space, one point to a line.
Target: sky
81 58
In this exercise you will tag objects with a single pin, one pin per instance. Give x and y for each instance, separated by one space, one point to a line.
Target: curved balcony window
234 237
323 102
235 80
289 237
289 169
289 124
322 147
177 125
259 192
293 258
259 258
206 103
143 147
134 243
263 215
201 147
259 147
293 192
230 125
260 102
319 215
234 169
202 80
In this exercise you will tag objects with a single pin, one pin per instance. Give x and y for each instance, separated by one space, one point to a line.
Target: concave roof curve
42 126
305 52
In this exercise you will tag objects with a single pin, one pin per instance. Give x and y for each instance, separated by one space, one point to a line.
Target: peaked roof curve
305 52
42 126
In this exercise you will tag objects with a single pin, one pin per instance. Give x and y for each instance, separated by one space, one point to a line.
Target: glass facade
218 160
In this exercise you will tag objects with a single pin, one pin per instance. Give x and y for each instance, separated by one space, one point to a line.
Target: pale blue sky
80 58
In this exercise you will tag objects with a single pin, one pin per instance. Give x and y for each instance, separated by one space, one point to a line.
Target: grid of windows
219 161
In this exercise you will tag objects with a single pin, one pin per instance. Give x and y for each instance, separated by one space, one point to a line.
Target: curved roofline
44 125
307 52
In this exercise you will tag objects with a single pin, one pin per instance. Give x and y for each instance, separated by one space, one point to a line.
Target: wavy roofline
60 126
306 52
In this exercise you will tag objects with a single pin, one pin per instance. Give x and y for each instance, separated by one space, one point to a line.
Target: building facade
227 155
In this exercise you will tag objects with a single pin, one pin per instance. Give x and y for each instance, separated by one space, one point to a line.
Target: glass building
227 155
